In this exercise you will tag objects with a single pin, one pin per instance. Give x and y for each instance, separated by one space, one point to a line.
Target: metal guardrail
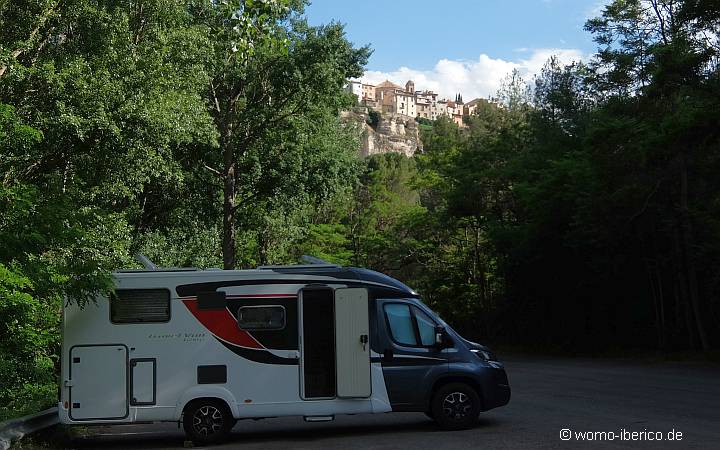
15 429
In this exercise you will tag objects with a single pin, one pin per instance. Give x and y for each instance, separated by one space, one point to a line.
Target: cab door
411 360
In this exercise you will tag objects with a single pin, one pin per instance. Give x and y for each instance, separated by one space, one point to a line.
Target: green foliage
28 345
114 117
581 213
373 118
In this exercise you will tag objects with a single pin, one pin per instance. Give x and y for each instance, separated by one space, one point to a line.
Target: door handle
364 340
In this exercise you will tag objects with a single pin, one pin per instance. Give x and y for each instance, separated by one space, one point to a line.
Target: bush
28 340
373 118
424 121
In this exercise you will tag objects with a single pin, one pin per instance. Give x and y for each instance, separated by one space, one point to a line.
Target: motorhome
206 348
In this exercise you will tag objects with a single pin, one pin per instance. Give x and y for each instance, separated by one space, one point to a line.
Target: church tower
410 86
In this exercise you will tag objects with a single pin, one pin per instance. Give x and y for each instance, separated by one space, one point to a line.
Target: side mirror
442 338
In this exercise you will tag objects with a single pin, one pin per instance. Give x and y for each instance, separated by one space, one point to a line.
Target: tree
659 51
263 77
106 122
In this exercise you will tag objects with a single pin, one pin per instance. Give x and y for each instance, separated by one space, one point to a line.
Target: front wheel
455 406
207 421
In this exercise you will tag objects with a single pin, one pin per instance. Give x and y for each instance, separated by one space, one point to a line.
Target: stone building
388 97
455 112
426 104
472 105
368 92
441 108
395 99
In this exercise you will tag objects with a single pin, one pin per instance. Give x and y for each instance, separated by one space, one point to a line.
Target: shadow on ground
166 435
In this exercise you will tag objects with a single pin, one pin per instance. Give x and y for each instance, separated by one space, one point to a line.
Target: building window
271 317
140 306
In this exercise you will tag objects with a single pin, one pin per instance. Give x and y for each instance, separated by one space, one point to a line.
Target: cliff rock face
392 133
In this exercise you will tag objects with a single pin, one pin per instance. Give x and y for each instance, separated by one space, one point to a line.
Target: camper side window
271 317
140 306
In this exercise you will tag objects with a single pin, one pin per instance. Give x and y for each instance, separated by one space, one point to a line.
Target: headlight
484 354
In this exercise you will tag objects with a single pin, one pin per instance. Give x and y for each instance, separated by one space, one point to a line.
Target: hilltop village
389 115
388 97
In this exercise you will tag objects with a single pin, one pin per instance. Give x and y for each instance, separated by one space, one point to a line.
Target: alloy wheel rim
207 420
457 405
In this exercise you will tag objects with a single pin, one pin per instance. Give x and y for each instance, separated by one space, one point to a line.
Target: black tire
207 421
455 406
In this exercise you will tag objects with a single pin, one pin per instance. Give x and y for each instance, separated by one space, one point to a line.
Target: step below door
352 342
99 382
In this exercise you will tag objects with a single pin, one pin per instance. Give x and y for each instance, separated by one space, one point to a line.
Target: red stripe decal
222 324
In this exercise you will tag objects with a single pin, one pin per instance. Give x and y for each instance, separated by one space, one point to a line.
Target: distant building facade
426 104
471 107
393 98
355 88
368 92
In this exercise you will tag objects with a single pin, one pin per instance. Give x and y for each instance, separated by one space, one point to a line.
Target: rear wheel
207 421
455 406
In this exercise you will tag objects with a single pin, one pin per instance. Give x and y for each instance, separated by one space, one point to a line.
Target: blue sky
461 45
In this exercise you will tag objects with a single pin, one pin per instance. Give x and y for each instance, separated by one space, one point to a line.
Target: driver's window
401 325
426 327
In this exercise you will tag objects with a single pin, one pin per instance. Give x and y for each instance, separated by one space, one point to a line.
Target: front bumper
497 388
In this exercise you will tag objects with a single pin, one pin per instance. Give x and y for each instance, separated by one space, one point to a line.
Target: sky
465 46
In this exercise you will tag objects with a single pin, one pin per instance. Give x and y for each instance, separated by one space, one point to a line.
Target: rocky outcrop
384 132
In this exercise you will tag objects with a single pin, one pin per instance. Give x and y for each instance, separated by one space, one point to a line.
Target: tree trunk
661 298
682 295
687 253
656 305
228 174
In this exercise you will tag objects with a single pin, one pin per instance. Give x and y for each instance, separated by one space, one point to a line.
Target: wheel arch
455 378
217 393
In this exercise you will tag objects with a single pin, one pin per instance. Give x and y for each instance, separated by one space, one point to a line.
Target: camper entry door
335 346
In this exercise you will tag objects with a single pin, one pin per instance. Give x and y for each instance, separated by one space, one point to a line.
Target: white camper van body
276 341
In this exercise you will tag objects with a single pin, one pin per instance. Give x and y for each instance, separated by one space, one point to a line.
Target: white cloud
473 78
